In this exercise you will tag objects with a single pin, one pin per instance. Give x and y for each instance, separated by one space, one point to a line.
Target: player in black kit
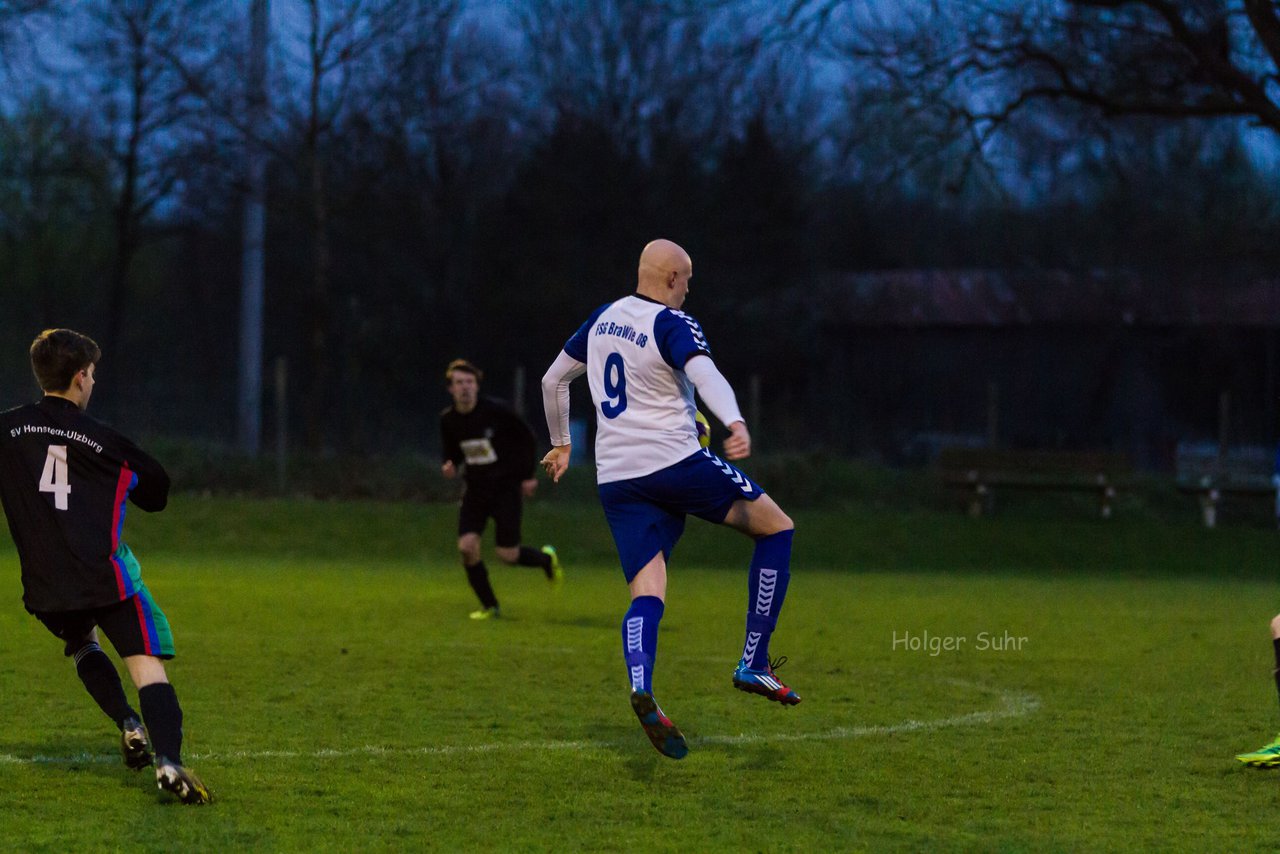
64 482
498 451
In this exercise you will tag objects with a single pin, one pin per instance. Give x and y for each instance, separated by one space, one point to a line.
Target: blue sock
766 588
640 640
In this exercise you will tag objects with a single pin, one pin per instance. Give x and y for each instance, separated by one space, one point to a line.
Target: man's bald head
665 270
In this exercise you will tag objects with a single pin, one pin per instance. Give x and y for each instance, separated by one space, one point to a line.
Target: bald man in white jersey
644 358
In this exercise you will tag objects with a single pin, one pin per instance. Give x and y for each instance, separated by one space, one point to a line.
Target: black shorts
504 502
135 626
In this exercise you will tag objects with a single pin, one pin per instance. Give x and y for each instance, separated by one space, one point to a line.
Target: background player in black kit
64 482
498 451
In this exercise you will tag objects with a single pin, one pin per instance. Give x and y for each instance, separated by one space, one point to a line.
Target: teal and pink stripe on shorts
153 626
156 634
124 485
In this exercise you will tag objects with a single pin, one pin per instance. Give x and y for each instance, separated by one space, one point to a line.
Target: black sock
102 681
534 557
1275 642
163 716
478 575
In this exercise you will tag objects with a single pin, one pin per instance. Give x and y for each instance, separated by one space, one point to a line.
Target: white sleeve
555 395
713 388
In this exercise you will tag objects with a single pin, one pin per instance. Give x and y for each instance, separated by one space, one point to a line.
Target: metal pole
753 392
517 391
993 414
1224 427
1269 387
249 414
282 424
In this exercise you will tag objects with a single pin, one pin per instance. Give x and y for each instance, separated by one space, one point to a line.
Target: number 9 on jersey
615 386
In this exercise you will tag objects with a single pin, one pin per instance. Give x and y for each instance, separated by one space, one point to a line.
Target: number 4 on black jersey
65 482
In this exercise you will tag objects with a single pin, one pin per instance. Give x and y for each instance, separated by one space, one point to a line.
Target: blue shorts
646 514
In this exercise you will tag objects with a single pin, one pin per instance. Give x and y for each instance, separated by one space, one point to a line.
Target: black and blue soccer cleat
661 731
765 682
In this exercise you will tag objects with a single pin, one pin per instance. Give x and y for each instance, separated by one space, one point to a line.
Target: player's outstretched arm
555 398
718 396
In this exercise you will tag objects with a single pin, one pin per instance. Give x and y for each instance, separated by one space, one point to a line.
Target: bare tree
146 112
635 68
336 71
452 106
339 39
967 71
54 184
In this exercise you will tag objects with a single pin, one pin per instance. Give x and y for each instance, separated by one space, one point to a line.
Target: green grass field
337 697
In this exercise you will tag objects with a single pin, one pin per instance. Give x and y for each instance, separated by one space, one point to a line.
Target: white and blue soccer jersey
635 350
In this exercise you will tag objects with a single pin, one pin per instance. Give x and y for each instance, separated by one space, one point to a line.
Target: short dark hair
464 366
57 355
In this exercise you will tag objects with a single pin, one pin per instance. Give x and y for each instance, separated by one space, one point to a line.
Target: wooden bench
979 471
1244 472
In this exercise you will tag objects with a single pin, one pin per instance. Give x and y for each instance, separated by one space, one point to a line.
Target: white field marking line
489 647
610 647
1012 704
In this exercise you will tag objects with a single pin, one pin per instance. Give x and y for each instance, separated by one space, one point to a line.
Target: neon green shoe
556 573
1267 756
487 613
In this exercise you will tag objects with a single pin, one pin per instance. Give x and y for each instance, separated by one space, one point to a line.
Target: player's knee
775 522
469 549
145 670
768 518
79 648
1275 626
508 554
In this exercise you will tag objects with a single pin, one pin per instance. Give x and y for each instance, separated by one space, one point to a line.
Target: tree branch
1265 18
